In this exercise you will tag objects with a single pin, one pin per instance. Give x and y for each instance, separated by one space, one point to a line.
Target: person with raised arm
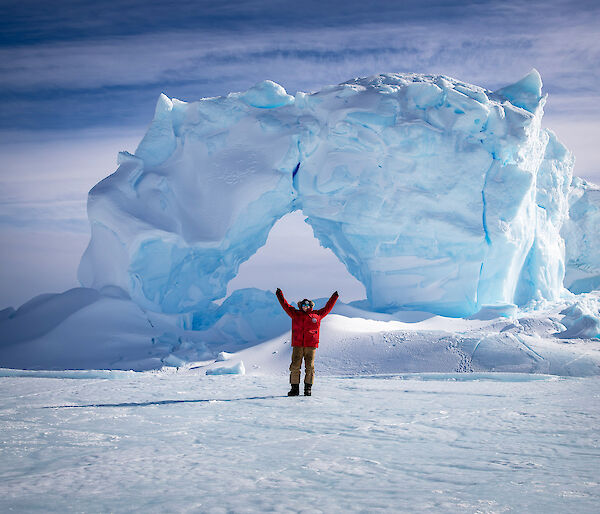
305 339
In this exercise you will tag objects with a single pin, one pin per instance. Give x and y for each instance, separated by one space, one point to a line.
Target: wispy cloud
43 207
117 78
44 183
172 58
32 21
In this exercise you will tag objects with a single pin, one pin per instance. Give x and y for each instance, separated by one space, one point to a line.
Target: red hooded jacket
305 325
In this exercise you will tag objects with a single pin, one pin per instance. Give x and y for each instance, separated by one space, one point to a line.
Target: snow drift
84 329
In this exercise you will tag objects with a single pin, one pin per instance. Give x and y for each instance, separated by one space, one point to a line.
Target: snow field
187 442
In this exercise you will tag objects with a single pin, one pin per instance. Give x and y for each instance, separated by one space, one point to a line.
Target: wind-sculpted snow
436 194
249 333
185 442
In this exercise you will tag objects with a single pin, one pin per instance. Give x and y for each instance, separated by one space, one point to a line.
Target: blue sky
79 81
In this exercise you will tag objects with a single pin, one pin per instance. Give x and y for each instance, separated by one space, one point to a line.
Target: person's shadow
161 402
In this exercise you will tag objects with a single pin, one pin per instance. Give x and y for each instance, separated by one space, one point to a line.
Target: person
305 339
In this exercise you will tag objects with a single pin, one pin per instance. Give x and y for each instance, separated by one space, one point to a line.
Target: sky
79 81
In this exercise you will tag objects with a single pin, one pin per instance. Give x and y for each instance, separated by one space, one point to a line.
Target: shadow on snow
161 402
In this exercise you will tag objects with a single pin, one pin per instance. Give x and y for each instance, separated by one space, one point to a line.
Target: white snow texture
174 442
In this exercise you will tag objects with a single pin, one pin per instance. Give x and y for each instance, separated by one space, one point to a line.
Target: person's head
306 305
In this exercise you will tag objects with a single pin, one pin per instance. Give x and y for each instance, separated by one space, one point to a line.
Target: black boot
307 389
295 390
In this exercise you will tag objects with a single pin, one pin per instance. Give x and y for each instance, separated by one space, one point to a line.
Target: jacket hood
306 300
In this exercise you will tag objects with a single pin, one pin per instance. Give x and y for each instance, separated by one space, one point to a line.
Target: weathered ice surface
582 235
436 194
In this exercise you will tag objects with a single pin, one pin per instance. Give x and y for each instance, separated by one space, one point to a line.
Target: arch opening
293 259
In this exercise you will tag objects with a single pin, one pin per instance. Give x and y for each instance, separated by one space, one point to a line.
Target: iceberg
438 195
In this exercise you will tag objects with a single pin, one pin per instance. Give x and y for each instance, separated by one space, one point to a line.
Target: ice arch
434 193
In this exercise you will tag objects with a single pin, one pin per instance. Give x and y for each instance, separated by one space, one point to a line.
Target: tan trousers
308 354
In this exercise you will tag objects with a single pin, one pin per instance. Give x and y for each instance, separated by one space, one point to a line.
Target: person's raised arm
282 301
329 305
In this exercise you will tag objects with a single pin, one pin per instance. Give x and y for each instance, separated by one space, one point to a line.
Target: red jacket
305 325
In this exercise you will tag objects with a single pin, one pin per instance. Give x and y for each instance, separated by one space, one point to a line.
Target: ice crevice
295 171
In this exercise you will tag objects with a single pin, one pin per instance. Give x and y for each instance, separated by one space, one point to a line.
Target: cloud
117 81
32 21
170 58
35 262
44 183
135 44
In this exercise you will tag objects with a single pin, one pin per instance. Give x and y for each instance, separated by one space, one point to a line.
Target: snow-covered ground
426 343
84 329
181 441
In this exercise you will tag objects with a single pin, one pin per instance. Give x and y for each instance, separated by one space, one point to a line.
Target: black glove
278 291
335 292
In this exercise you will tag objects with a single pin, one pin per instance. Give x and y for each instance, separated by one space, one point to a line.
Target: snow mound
223 356
265 95
113 333
42 313
85 329
582 318
436 194
236 369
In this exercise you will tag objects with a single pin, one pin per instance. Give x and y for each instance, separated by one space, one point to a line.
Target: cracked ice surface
436 194
183 442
